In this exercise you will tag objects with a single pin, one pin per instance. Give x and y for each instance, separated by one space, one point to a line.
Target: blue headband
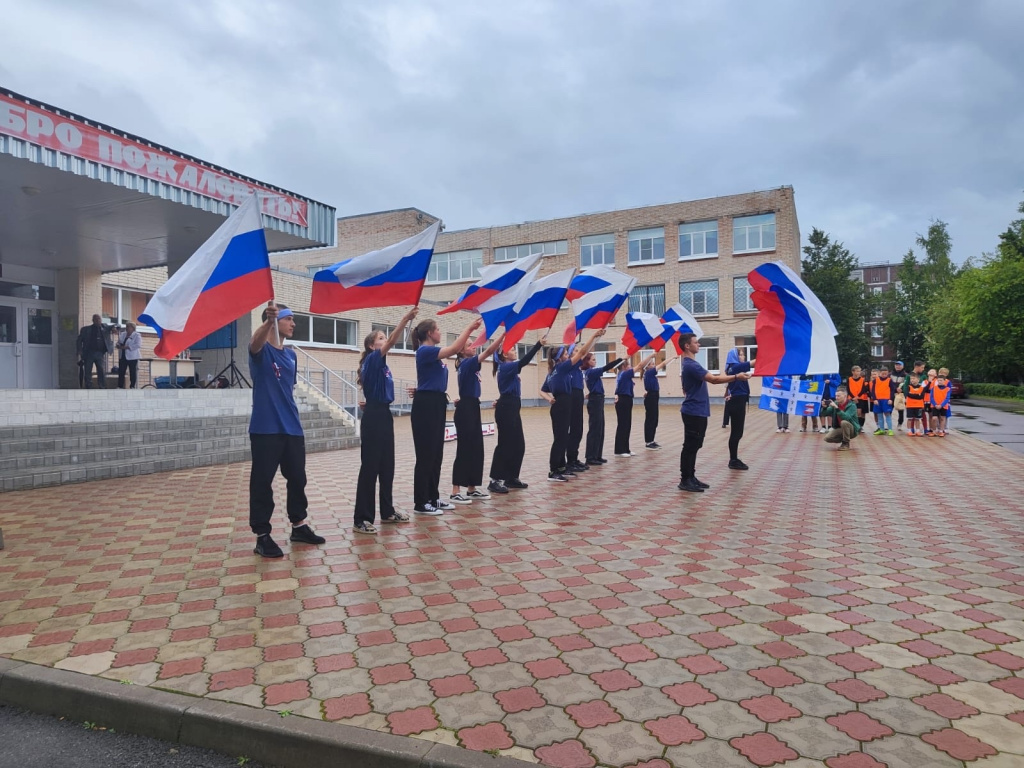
283 313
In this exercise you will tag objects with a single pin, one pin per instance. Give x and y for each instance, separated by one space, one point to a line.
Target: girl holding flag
507 460
468 469
377 447
595 408
652 398
559 386
429 404
624 405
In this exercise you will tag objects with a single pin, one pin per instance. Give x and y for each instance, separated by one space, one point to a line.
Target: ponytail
419 334
367 349
499 357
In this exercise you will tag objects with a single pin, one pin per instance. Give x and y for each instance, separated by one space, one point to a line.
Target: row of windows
699 297
697 240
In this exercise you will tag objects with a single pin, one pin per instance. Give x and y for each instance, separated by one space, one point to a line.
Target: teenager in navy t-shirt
468 469
377 430
275 432
510 447
429 404
696 409
652 399
595 409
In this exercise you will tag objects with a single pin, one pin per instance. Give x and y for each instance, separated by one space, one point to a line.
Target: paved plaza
849 610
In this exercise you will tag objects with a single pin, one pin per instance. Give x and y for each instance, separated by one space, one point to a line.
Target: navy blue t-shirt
508 379
576 379
431 372
378 386
273 372
560 379
739 387
594 381
651 383
696 402
624 383
468 374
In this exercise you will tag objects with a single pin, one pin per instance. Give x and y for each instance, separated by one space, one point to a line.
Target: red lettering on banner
73 137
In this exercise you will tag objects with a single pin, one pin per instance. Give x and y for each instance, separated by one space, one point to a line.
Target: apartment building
695 252
877 279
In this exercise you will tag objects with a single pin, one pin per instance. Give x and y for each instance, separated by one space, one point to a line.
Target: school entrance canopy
78 198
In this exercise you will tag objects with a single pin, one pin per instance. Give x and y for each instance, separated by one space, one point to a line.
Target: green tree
827 270
906 308
975 323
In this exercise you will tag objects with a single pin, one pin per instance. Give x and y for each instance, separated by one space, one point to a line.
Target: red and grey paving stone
831 609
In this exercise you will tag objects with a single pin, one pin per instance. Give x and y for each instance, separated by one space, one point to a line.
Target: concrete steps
195 434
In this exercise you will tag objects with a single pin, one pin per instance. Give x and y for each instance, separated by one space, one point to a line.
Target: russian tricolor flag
596 296
682 321
538 308
392 276
228 276
795 334
645 330
494 279
500 306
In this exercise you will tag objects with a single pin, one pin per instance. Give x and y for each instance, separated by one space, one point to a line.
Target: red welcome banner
73 137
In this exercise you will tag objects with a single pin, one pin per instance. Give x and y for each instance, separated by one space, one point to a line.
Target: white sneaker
442 504
623 455
478 494
428 509
778 431
458 498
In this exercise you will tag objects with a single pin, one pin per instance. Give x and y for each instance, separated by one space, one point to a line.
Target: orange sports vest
915 396
883 389
940 395
858 388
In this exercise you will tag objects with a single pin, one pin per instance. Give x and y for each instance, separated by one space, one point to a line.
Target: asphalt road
993 421
28 740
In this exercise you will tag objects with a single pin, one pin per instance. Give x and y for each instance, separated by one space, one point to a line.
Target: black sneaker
579 466
267 547
594 462
304 535
737 464
603 461
496 486
517 485
690 486
699 484
567 473
653 446
557 477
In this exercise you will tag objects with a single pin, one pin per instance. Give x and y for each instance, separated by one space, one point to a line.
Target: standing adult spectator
275 432
129 342
92 344
696 409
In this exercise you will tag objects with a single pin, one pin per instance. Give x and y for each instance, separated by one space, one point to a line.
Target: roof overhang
74 193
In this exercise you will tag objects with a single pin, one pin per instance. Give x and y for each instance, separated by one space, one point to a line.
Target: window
753 233
22 291
604 353
647 246
877 350
741 293
648 298
708 354
876 331
122 305
523 350
597 249
328 331
748 343
403 340
514 252
312 269
876 290
642 354
455 266
698 240
700 297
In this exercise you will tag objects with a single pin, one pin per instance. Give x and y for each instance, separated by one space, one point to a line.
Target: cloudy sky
882 115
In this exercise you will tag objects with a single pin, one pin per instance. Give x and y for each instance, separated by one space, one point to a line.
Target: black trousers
561 413
595 429
572 449
694 429
270 452
128 366
468 468
91 359
428 411
624 422
651 415
507 460
736 412
377 455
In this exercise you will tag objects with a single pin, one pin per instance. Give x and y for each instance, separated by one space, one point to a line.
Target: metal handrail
336 388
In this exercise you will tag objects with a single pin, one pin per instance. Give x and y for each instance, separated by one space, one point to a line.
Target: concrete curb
231 729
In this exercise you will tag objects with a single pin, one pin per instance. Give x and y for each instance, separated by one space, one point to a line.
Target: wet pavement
823 609
994 422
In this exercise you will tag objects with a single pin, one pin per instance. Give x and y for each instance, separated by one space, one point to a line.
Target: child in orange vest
915 406
939 396
858 389
882 391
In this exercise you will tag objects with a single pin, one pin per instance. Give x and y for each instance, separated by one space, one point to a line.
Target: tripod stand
235 377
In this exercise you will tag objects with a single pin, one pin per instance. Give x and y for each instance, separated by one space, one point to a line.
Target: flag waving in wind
795 335
494 279
645 330
682 321
596 296
392 276
538 308
500 306
228 276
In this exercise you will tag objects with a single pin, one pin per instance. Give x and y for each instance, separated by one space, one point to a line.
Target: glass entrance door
10 344
28 331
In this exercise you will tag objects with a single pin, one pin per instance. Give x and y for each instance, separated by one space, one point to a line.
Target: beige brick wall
359 234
